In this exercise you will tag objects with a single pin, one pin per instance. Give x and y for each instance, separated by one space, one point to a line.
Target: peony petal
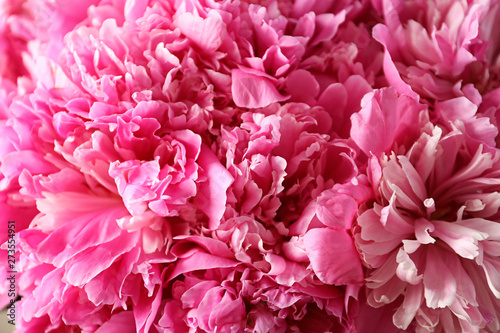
173 316
200 261
212 197
381 33
206 33
333 256
412 302
407 271
491 269
252 91
80 269
123 322
439 283
302 86
385 119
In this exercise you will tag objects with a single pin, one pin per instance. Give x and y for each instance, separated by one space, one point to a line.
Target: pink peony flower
64 256
428 240
16 29
432 49
322 234
315 161
118 135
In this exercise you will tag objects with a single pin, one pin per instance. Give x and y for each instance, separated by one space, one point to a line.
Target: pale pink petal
381 33
439 283
206 33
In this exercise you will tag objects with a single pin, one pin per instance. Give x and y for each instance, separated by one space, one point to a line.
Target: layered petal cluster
242 279
315 160
434 50
250 166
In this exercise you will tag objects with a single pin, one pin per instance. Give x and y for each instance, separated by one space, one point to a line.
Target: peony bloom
433 50
65 261
429 238
126 136
258 175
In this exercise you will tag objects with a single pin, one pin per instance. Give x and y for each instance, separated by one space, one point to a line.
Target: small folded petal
212 197
252 91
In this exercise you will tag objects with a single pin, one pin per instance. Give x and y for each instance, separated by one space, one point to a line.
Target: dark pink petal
333 256
123 322
302 86
173 316
200 261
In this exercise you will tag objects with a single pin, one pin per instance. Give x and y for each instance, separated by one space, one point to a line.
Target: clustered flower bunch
251 166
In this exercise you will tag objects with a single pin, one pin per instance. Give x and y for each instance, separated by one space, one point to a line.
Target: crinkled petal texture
251 166
430 239
238 280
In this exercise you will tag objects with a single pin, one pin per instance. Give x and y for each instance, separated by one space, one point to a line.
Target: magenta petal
334 99
327 26
122 322
302 85
212 193
194 295
15 162
200 261
80 269
173 317
381 33
333 256
146 309
385 119
252 91
207 33
78 236
43 295
214 246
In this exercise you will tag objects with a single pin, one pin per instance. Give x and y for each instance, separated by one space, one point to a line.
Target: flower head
428 240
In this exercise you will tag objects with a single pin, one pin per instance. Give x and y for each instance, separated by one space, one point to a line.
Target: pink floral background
251 166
